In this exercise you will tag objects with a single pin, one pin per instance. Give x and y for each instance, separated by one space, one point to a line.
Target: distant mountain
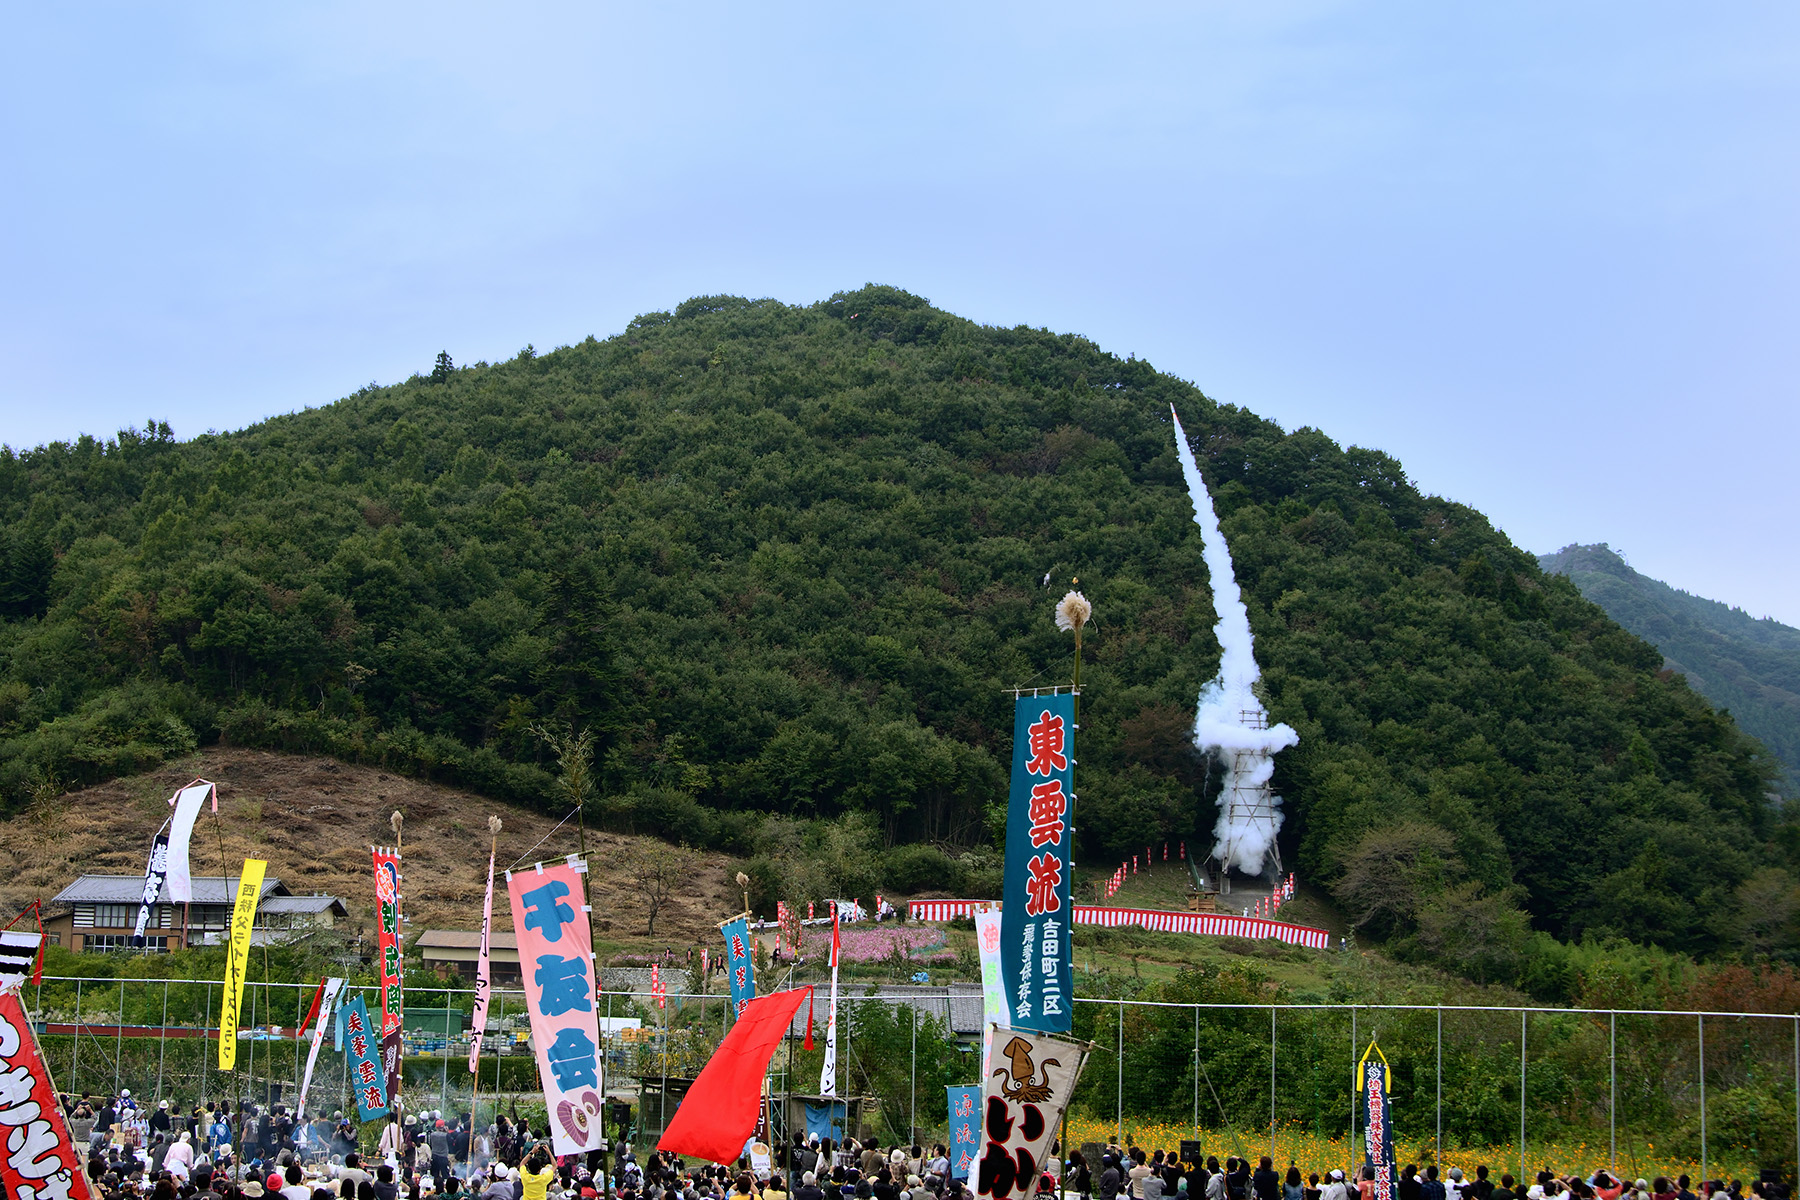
1740 663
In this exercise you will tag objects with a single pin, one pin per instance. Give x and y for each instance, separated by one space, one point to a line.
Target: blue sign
965 1129
367 1079
739 970
1035 963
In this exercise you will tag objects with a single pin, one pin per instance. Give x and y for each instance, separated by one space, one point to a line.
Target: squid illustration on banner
237 958
391 961
557 960
1378 1131
1026 1081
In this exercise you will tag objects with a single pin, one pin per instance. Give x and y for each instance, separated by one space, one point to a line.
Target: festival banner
391 961
1378 1133
237 958
42 1160
153 883
557 960
362 1042
1027 1079
965 1129
993 988
324 1007
740 971
658 992
484 974
828 1072
186 804
1035 961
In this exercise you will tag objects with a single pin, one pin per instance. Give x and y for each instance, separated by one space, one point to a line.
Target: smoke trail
1228 716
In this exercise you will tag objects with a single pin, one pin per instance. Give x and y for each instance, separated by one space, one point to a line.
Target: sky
1544 254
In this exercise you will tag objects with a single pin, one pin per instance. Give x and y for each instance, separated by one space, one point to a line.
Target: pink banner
556 957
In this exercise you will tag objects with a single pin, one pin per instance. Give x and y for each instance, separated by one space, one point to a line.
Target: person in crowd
1293 1187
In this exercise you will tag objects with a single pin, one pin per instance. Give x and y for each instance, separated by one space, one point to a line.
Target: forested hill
1746 665
783 560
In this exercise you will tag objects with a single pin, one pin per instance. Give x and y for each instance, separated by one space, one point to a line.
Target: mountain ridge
782 563
1747 665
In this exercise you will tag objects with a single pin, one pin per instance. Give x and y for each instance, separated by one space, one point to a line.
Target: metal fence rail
1688 1084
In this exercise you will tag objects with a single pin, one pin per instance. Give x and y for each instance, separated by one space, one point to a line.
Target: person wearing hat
252 1190
1334 1188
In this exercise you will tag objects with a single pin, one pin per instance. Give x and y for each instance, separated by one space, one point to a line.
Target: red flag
834 933
809 1009
719 1113
312 1014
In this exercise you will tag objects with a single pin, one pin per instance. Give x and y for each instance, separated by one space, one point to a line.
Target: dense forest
782 561
1746 665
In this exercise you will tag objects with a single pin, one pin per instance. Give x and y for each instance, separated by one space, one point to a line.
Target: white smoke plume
1229 710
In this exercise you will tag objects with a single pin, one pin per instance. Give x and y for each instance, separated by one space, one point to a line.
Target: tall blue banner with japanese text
965 1129
1035 962
739 969
363 1044
1378 1131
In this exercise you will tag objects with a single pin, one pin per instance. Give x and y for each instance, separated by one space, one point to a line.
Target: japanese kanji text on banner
556 957
1378 1132
965 1129
42 1161
1035 957
237 958
391 960
362 1043
739 968
1027 1080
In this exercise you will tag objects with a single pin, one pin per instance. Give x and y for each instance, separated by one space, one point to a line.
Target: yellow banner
237 959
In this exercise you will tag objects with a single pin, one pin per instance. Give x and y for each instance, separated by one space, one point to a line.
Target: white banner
187 804
327 1018
828 1072
993 991
484 974
1026 1081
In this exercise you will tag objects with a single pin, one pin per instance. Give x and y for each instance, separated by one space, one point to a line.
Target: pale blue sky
1546 254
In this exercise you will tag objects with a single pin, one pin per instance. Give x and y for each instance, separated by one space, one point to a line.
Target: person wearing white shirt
1334 1189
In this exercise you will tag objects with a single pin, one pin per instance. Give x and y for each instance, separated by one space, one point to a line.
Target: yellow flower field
1310 1152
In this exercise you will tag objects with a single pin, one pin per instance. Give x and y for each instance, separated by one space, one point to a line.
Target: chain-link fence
1525 1089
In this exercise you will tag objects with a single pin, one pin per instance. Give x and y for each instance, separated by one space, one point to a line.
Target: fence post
1271 1082
1121 1044
1797 1089
912 1114
119 1041
206 1054
162 1041
1197 1072
75 1055
1438 1153
1704 1175
444 1075
1350 1146
1523 1016
1612 1088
